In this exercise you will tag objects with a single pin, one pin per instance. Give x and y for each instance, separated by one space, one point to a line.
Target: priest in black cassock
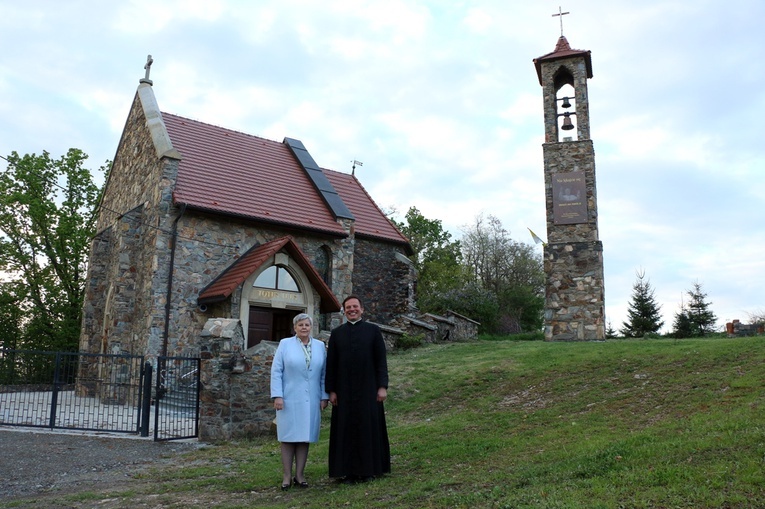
357 383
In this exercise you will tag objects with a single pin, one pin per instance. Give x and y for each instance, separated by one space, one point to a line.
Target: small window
276 277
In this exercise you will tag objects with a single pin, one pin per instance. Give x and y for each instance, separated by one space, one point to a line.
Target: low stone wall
235 396
417 327
465 329
445 327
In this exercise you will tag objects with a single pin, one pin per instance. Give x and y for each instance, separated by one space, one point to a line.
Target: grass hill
657 423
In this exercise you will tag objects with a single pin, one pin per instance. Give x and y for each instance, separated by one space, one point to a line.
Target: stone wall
125 267
571 156
444 326
207 246
96 285
235 396
382 278
135 175
574 303
465 329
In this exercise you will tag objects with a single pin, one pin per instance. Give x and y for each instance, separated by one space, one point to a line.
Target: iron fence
177 398
70 390
100 392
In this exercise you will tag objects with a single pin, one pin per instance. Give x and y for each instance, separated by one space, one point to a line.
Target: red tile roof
370 220
232 173
563 50
225 284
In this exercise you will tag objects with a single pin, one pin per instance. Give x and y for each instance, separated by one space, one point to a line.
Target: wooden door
260 326
269 324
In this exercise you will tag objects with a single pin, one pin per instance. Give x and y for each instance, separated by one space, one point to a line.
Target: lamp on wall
237 362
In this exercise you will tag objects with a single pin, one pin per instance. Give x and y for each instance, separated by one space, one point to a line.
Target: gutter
171 270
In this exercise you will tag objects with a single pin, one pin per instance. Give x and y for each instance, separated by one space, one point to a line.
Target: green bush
406 341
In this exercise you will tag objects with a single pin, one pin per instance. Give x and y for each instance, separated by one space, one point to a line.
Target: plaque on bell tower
569 198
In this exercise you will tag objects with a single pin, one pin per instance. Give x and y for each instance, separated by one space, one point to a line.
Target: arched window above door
277 277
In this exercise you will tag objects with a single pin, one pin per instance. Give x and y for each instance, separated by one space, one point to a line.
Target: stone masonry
573 256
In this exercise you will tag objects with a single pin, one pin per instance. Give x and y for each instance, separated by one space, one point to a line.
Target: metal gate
176 398
70 390
100 392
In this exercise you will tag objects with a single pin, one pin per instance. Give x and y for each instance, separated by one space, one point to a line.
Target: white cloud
145 17
441 102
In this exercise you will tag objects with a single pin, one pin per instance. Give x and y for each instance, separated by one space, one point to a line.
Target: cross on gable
146 79
561 14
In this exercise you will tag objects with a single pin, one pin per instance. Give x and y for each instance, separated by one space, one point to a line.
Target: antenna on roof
353 169
146 79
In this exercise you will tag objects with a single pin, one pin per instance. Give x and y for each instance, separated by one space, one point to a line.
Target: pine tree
644 315
695 319
682 328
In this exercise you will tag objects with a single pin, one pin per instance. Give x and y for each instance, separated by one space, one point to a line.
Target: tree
474 302
610 332
644 314
46 224
10 318
757 317
695 319
511 271
436 257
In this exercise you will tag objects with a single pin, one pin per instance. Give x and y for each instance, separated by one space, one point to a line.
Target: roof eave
551 57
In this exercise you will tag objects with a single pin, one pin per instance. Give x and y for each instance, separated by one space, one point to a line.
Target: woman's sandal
303 484
285 487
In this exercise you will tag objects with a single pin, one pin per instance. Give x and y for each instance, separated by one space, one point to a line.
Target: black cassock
356 368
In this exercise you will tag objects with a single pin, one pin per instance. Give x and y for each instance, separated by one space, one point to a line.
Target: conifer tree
695 319
644 314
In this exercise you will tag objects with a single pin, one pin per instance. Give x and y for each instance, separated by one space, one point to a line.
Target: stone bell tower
573 256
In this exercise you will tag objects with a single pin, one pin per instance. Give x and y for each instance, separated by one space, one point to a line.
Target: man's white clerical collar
354 322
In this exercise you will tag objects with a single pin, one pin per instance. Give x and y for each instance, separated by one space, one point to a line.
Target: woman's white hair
301 317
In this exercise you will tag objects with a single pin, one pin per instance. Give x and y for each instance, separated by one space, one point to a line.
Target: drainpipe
170 281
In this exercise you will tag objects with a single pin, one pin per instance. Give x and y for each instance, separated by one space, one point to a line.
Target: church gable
139 163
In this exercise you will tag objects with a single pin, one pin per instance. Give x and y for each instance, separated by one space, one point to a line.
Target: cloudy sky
440 101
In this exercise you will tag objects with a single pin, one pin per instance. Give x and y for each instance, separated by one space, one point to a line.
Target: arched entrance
272 297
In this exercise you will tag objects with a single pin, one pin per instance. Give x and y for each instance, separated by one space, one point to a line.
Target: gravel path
36 462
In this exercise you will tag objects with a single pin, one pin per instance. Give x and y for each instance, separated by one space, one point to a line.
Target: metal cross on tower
561 14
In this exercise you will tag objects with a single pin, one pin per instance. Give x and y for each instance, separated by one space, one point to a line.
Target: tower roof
563 50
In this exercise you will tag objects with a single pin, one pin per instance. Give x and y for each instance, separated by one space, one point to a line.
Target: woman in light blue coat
297 388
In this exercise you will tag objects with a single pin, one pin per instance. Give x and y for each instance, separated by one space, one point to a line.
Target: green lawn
657 423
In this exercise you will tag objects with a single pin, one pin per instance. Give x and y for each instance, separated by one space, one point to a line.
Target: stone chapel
199 222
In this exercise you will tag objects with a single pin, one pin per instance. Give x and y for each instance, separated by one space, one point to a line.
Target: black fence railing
70 390
176 414
117 393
